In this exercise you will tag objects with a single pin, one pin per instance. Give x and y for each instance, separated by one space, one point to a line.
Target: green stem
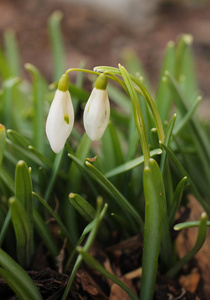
138 116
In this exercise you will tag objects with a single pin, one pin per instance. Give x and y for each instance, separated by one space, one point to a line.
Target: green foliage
142 168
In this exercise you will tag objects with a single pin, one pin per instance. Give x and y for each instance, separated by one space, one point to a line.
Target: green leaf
109 187
38 90
98 267
184 173
18 280
17 138
163 97
56 44
130 164
111 148
137 113
2 142
23 188
7 180
55 216
82 206
166 247
87 246
23 232
152 235
86 230
44 233
201 237
167 141
12 52
177 200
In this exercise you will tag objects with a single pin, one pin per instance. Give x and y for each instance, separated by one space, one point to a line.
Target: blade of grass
17 278
152 235
56 44
201 237
12 52
83 207
131 164
163 98
23 232
2 142
44 233
107 186
55 216
184 173
98 267
87 246
38 90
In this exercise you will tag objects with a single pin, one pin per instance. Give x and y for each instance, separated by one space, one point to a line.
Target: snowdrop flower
97 110
60 119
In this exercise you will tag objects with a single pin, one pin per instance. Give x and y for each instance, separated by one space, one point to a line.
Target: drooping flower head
97 110
60 119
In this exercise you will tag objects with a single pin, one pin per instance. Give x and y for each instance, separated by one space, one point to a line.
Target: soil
99 40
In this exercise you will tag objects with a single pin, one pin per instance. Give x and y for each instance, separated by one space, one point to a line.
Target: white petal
57 129
96 114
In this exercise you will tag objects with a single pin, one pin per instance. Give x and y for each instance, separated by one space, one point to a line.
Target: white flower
60 120
96 113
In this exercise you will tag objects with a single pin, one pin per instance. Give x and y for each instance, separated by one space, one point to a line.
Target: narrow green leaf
12 52
201 237
2 142
166 246
23 188
134 66
8 118
119 98
184 173
87 246
55 216
23 232
185 69
56 43
38 90
5 227
74 176
108 186
5 71
98 267
82 206
17 278
44 233
152 235
131 164
17 138
87 229
177 199
189 224
137 113
167 141
182 123
111 148
163 97
7 180
55 169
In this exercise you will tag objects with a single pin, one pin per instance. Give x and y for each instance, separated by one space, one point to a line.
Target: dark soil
100 40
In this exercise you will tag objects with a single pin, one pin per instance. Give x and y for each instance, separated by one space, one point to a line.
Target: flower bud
60 119
97 110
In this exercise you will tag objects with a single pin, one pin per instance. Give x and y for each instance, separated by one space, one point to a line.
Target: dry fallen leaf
186 240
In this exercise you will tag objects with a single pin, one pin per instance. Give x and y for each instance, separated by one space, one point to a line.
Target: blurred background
102 32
